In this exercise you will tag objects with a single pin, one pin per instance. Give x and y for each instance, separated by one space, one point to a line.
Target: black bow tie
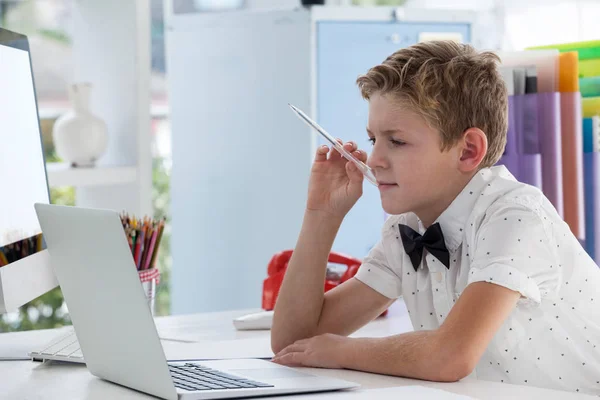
432 240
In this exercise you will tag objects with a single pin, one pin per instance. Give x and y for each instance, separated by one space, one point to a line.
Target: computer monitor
25 271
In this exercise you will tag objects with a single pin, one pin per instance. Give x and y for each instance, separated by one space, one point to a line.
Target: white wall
241 158
258 4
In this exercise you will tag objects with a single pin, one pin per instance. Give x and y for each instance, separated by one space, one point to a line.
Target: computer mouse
255 321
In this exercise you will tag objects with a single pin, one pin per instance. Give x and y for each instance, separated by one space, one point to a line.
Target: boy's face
413 173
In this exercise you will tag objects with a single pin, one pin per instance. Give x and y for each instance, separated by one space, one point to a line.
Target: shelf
157 111
60 174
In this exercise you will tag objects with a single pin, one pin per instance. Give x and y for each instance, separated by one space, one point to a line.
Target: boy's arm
302 309
447 354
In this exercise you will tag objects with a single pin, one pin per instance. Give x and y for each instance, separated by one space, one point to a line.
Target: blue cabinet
346 50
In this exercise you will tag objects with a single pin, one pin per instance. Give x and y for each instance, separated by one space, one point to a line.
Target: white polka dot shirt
507 233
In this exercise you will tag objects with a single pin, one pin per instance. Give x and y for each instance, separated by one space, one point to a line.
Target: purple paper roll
527 139
511 162
531 169
550 146
530 141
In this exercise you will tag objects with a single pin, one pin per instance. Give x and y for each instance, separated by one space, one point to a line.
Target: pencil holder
149 279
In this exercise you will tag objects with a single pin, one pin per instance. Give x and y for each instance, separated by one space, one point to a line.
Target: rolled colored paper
519 78
590 106
588 136
568 72
511 162
596 133
591 134
529 146
531 80
530 140
526 119
572 156
589 68
530 166
508 78
572 142
592 204
545 61
587 50
549 126
589 87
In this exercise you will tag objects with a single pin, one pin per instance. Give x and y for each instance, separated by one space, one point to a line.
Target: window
47 24
161 153
577 23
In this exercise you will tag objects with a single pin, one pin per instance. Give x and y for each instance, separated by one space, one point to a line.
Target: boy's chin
395 209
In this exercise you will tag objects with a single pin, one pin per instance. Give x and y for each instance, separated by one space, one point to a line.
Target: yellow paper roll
568 72
591 106
589 68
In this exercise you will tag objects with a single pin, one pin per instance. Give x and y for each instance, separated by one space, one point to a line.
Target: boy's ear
474 148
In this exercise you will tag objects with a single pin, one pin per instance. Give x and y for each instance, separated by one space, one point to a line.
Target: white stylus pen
367 172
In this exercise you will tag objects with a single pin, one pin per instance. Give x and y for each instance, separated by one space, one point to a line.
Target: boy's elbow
456 370
276 347
456 367
276 344
454 363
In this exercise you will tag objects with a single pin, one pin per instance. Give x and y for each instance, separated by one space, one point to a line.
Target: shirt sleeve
376 273
514 249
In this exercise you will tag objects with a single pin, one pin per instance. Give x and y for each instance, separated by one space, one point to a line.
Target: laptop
116 331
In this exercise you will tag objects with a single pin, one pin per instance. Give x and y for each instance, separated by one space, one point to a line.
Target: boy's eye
396 142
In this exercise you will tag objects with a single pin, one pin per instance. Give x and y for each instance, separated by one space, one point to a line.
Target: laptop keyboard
192 376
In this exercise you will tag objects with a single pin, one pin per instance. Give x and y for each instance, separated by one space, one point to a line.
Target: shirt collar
454 218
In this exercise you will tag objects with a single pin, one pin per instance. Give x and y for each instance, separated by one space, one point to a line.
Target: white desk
32 380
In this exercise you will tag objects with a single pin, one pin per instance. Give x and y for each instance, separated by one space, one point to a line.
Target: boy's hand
335 183
323 351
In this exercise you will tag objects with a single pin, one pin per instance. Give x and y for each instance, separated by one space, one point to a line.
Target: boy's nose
376 159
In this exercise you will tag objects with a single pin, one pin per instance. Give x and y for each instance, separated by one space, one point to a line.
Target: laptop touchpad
270 373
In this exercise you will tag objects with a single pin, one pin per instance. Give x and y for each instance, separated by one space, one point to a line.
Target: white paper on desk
395 393
219 350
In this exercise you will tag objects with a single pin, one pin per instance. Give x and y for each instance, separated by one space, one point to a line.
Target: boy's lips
386 185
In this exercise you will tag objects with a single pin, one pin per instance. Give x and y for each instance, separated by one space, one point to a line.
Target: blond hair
452 86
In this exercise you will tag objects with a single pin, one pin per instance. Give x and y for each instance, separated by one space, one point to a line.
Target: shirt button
438 276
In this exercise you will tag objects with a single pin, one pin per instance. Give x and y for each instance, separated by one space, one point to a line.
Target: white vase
80 137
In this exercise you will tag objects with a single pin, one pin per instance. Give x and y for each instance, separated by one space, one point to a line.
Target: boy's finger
292 348
361 155
291 359
348 146
335 155
321 154
354 174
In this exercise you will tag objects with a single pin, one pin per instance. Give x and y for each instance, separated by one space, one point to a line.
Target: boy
495 283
